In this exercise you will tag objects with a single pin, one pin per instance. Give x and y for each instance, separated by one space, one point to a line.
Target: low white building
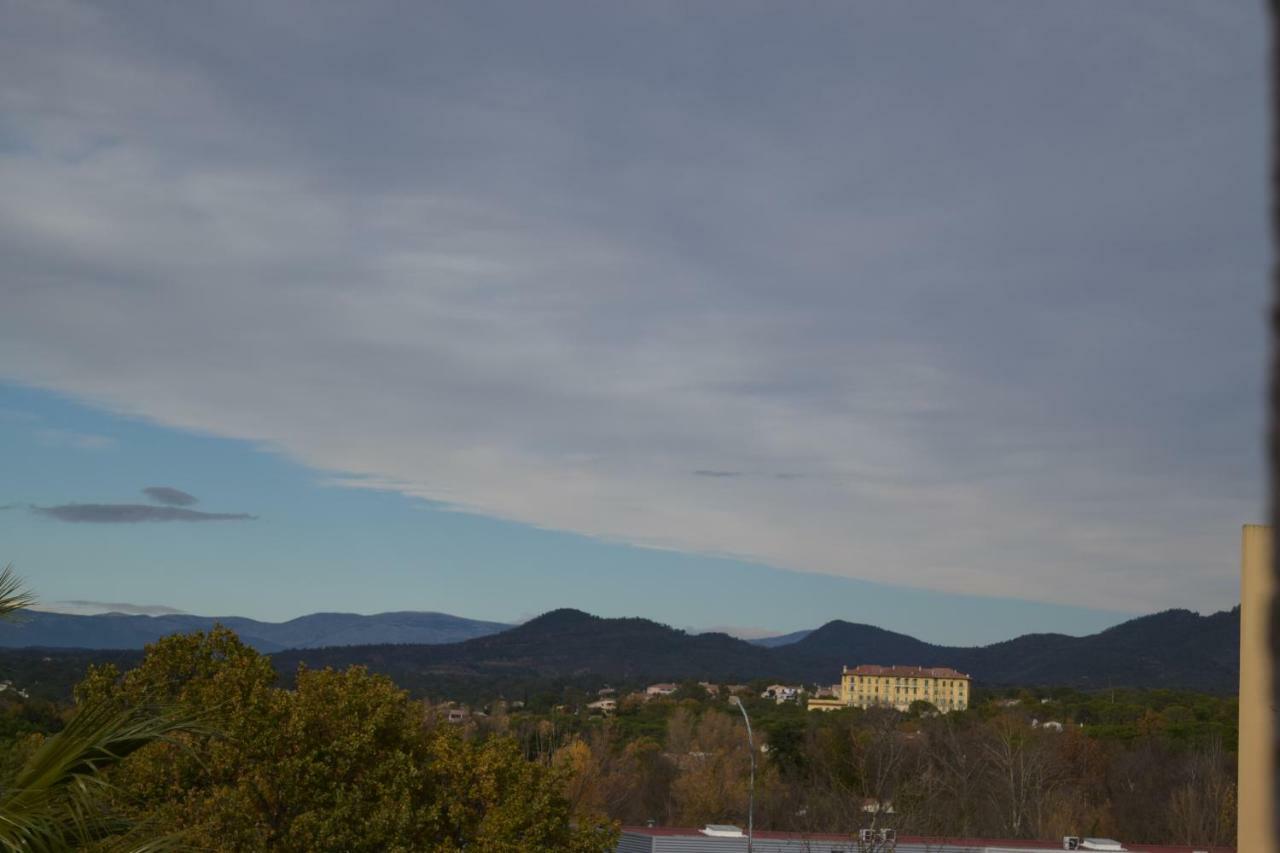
782 693
1047 725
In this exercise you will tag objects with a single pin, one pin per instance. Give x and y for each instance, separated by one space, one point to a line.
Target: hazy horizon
747 633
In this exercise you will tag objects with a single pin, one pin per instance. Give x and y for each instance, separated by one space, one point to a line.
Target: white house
781 693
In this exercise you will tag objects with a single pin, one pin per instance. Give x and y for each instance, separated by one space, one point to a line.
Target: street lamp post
751 795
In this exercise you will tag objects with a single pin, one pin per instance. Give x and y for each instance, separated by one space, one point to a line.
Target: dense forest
345 760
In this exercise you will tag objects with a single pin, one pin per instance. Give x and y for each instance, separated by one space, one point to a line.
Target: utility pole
751 795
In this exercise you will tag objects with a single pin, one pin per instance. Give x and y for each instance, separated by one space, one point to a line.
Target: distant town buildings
868 686
663 690
780 693
8 685
826 703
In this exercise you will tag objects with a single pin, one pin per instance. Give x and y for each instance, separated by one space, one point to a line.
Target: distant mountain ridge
781 639
1173 649
121 631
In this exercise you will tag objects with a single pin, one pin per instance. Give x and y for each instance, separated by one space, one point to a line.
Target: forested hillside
1176 649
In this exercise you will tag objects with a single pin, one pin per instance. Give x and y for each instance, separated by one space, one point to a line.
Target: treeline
1140 765
52 674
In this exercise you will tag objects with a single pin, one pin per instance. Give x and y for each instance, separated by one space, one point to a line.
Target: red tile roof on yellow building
905 671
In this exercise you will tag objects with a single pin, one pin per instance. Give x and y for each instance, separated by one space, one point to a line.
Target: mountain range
781 639
435 652
121 631
1174 649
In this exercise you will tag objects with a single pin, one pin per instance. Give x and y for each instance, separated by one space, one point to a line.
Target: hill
1173 649
559 644
1176 648
120 631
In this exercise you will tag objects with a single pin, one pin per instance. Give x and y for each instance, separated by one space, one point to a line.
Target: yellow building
825 703
897 687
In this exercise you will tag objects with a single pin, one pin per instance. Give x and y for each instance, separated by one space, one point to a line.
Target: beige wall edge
1256 773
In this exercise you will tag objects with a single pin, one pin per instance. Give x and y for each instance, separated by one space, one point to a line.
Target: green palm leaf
13 593
60 798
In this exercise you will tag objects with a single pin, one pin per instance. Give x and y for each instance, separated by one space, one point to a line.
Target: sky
945 317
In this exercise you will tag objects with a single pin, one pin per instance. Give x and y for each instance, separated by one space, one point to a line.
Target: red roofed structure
905 671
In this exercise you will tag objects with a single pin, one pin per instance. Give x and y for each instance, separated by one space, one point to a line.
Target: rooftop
905 671
784 841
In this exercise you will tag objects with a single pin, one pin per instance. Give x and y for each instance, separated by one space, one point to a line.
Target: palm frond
14 595
60 798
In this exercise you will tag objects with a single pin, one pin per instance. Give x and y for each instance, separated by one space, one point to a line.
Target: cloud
169 496
90 608
704 472
132 513
968 293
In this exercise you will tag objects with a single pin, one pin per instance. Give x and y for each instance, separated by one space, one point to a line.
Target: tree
341 762
489 798
1040 779
949 785
922 708
604 777
1202 809
712 784
786 738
